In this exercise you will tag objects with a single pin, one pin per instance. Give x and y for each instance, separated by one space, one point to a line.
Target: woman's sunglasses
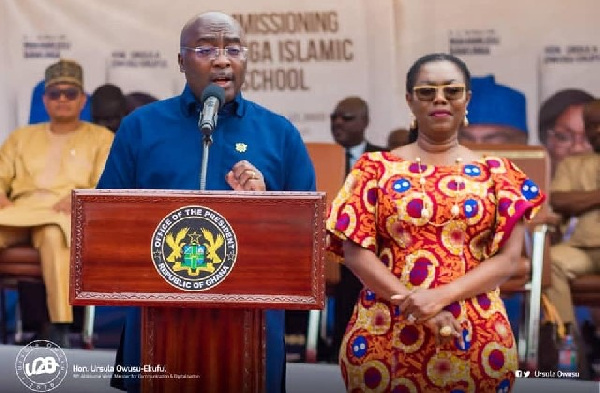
451 92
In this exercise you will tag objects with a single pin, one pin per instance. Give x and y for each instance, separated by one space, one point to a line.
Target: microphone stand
207 141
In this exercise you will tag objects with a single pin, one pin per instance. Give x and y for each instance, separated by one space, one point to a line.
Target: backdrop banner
536 50
305 56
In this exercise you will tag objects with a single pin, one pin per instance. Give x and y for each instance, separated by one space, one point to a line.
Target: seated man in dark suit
349 121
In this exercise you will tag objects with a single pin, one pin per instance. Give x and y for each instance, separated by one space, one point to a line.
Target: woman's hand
420 304
446 328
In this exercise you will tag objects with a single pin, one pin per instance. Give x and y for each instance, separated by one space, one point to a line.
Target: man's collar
192 107
356 151
237 106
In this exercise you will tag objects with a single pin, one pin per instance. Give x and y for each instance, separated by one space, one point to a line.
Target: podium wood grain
218 335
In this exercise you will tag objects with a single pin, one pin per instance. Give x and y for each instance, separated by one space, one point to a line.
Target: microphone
212 98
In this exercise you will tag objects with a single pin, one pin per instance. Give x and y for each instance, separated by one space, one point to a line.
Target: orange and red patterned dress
381 207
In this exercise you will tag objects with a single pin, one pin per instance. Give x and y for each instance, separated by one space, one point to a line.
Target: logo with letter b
41 366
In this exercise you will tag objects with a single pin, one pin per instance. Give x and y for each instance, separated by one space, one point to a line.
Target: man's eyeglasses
70 93
451 92
343 116
212 52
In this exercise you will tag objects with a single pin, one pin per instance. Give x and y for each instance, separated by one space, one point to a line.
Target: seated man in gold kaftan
39 166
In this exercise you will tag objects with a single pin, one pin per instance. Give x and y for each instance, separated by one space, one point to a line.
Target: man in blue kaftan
159 146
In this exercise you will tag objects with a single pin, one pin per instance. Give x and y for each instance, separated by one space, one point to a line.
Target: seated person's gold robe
38 169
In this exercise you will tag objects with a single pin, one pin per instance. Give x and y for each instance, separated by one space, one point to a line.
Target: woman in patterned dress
431 229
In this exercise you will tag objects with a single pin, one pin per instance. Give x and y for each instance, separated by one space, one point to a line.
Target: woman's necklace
455 209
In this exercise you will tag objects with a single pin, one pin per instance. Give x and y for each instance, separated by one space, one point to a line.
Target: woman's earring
466 121
413 123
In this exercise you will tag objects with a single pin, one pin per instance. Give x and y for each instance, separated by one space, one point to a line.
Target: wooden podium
199 333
